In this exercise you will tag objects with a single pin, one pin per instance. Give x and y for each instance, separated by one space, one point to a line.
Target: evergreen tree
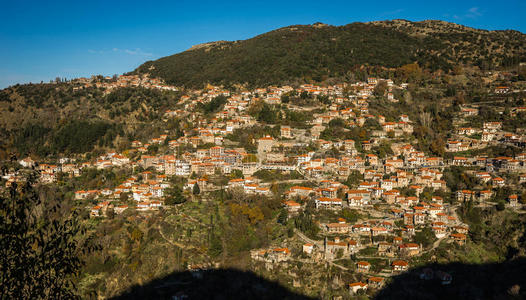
196 190
174 196
283 216
216 247
40 251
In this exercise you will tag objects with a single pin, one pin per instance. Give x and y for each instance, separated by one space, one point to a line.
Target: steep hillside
320 51
45 119
486 49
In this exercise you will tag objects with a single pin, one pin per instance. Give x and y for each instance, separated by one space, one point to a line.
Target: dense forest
73 137
320 51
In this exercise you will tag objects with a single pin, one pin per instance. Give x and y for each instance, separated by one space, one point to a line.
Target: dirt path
308 240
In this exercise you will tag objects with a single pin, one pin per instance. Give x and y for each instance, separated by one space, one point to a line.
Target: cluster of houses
383 178
400 192
274 255
148 193
109 83
490 132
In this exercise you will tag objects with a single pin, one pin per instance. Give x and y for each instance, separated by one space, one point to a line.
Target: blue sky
40 40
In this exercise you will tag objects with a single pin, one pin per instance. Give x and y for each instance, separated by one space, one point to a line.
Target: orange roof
267 138
325 199
458 236
284 250
357 284
301 188
401 263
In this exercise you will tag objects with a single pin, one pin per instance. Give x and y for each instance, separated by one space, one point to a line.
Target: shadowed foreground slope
211 284
485 281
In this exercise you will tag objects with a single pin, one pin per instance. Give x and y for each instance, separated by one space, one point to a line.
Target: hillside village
110 83
377 204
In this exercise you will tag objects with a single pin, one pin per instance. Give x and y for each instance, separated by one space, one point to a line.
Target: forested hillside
317 52
46 119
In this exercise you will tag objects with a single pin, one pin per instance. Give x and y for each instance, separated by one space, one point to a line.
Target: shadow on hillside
211 284
505 280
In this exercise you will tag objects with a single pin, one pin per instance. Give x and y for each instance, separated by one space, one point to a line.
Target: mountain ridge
320 51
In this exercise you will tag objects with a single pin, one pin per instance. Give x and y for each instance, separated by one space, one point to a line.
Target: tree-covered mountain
322 51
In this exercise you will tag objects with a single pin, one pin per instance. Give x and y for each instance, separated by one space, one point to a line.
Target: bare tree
425 118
